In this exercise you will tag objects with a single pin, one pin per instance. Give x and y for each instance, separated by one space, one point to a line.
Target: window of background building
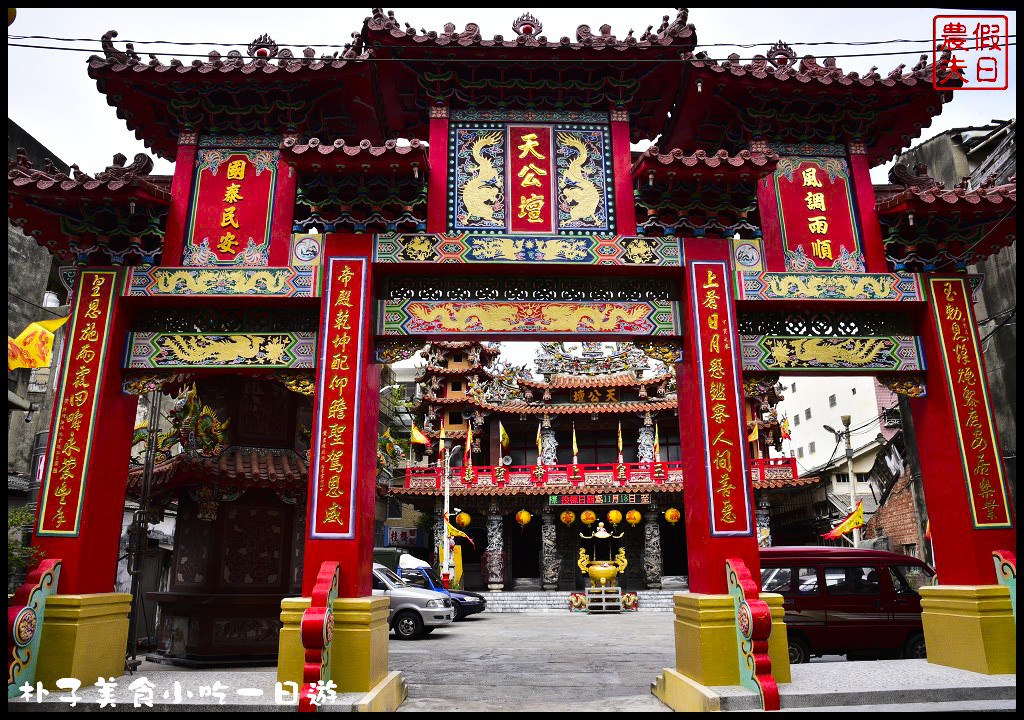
807 413
796 420
454 418
794 387
831 400
457 357
810 448
799 452
853 391
841 478
863 477
457 386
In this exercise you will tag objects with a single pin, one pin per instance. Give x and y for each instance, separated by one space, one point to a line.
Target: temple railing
773 469
556 477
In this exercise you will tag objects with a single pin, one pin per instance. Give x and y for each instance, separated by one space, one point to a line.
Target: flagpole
851 477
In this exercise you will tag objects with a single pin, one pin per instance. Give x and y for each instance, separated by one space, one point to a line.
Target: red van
847 601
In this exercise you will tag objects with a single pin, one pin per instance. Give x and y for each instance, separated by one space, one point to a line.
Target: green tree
20 557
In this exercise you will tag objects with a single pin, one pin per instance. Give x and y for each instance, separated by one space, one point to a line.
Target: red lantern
523 517
588 517
614 517
568 517
462 519
672 516
633 517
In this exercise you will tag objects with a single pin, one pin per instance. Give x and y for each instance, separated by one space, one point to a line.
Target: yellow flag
854 520
575 448
657 446
620 442
502 435
455 532
540 446
467 455
752 437
32 349
417 437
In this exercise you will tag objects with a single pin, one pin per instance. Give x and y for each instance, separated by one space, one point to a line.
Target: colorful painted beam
165 350
884 287
583 249
831 354
286 282
416 317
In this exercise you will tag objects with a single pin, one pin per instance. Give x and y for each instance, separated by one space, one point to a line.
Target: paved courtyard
538 661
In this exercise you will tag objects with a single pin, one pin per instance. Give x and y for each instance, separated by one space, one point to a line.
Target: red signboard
965 376
531 173
231 208
339 377
71 435
721 394
815 206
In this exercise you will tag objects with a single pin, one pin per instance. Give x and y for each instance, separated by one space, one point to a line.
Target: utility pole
446 554
850 475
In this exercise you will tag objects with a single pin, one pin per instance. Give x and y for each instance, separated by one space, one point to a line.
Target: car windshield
429 572
391 577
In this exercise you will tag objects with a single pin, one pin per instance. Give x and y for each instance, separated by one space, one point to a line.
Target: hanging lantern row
672 516
523 517
633 517
588 517
568 517
462 519
614 517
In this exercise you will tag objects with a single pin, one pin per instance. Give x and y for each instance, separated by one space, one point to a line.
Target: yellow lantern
633 517
462 519
614 517
588 517
568 517
672 515
523 517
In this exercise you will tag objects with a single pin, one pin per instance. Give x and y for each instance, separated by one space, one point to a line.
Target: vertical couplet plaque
721 393
965 377
72 433
339 378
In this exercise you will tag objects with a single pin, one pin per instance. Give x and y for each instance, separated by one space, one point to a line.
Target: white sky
51 96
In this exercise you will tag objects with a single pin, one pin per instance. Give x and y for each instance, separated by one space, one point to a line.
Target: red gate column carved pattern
718 496
340 510
964 485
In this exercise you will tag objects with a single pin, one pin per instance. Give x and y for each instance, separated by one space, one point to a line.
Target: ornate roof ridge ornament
781 56
263 47
527 24
919 179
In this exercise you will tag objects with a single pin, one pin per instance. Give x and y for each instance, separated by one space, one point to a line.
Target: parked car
848 601
464 603
414 611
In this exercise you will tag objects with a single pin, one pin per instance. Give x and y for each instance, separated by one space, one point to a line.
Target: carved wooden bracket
753 628
316 632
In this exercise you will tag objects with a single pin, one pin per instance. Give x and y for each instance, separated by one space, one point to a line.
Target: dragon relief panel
190 350
479 179
582 180
767 352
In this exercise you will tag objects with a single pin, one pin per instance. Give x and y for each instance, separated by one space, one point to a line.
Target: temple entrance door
523 543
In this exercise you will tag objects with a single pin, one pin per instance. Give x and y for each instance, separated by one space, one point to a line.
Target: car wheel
914 649
457 611
798 651
408 626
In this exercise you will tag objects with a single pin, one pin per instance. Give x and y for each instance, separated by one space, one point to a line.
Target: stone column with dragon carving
652 549
645 440
548 443
551 563
495 548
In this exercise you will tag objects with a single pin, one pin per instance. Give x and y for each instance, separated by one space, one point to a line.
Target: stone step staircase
558 601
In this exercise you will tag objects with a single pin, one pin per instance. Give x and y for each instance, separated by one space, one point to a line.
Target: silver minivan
414 611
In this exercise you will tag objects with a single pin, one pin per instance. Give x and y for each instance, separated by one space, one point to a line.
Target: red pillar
622 161
343 462
718 495
284 212
437 182
864 196
181 193
81 502
962 470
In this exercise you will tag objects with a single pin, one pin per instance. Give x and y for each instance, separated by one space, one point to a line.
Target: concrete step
952 706
558 601
880 683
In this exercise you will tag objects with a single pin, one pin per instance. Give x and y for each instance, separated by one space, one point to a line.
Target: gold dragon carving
582 194
201 282
562 317
798 352
232 349
821 285
477 193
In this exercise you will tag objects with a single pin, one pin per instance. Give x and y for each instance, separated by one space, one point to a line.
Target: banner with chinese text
818 223
979 450
71 436
232 205
721 396
334 472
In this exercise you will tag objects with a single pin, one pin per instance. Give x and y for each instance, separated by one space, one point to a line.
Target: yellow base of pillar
359 650
683 694
84 637
705 629
970 627
386 696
